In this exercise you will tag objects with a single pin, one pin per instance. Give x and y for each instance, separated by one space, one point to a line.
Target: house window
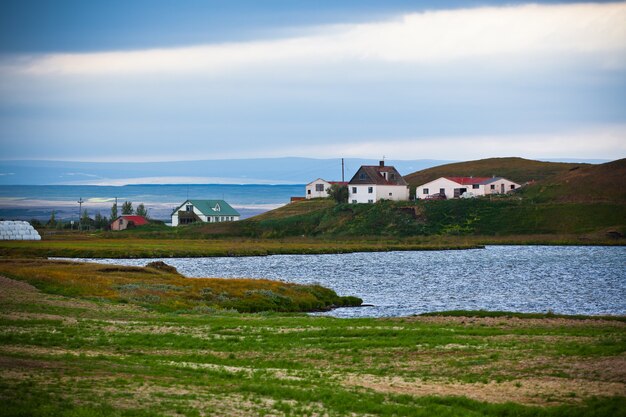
475 186
353 201
308 192
319 187
353 190
390 194
442 191
370 201
512 187
493 186
425 192
393 176
217 207
362 176
189 207
370 190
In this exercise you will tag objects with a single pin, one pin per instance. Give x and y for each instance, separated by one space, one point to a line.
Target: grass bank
71 356
130 246
159 287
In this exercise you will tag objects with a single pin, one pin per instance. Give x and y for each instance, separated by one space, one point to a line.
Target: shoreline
127 247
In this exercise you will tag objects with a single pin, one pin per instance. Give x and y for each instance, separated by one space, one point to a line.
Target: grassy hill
504 216
569 200
586 183
519 170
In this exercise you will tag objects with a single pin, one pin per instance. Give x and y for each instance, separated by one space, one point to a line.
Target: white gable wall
362 194
501 186
378 192
449 186
392 192
184 208
311 189
435 186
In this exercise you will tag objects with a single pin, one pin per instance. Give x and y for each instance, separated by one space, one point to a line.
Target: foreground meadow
78 355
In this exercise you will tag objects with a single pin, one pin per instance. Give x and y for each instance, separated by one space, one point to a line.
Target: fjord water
26 202
562 279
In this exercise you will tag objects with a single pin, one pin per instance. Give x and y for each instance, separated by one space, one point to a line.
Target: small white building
372 183
207 211
455 187
319 188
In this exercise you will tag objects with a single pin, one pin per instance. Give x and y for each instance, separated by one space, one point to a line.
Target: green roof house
208 211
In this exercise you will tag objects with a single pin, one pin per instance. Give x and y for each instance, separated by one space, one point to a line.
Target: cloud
523 32
608 142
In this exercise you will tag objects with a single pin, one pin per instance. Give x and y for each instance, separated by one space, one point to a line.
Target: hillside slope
588 183
519 170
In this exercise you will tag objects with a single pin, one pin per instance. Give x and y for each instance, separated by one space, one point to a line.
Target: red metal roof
468 180
338 182
138 220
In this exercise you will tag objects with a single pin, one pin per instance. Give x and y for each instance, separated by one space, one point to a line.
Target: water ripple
568 280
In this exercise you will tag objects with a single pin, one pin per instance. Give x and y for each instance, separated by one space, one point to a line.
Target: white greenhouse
17 230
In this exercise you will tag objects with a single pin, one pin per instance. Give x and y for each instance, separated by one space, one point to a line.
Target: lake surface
563 279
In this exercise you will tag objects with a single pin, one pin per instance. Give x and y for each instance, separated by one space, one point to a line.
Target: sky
452 80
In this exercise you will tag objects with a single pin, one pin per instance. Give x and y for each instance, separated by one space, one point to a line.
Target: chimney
382 163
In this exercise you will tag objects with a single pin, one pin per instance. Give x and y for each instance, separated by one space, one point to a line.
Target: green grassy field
73 356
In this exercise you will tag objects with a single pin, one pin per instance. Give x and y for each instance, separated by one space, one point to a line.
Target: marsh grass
165 290
71 357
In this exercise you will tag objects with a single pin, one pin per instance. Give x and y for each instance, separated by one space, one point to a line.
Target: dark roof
209 207
137 220
373 174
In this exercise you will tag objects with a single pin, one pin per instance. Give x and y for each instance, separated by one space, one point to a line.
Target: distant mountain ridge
224 171
288 170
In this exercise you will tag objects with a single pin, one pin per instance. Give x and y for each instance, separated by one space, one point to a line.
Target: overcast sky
454 80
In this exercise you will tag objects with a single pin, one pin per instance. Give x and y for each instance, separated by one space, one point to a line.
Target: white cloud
608 142
522 32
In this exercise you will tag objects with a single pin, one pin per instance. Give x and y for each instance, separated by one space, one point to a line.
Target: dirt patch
52 351
7 362
531 391
39 316
10 287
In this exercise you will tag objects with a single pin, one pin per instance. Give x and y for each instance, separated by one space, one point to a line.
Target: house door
459 191
502 188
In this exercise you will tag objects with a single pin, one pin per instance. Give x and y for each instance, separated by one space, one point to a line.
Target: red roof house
128 221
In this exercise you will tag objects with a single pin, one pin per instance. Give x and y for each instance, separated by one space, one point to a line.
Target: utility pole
80 213
342 177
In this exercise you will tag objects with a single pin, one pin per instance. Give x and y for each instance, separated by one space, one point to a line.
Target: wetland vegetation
76 355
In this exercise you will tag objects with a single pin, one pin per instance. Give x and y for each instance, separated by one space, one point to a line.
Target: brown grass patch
531 391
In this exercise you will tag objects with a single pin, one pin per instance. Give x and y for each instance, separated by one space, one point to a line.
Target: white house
372 183
208 211
455 187
319 187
